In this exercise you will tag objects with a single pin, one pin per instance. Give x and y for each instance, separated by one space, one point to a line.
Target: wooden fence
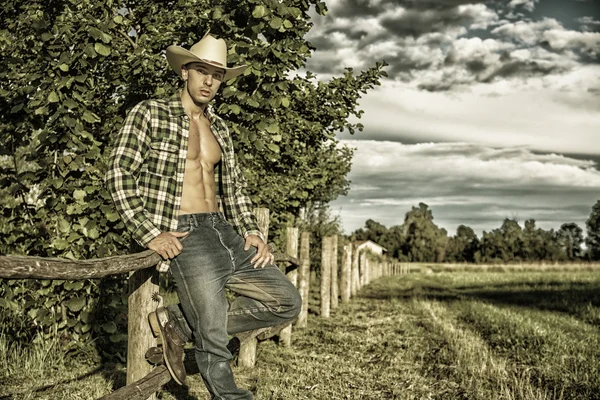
338 281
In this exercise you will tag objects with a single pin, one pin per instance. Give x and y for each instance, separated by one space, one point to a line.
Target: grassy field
429 335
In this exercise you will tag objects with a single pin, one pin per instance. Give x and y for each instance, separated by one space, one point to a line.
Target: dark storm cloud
417 39
417 22
520 68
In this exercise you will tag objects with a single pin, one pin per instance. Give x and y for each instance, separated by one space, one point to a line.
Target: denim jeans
212 259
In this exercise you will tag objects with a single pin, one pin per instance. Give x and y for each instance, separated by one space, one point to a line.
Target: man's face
203 81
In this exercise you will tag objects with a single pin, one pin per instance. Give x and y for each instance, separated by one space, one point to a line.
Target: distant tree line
419 239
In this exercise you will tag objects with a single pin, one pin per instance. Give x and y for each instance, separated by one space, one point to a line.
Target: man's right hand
167 244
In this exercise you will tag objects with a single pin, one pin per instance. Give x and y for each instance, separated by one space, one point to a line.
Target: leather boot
172 343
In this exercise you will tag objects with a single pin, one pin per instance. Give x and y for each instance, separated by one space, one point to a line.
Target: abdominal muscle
199 194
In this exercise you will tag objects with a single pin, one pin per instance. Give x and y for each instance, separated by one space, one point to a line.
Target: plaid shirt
146 167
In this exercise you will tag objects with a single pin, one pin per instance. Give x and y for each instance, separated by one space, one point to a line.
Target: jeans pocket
189 228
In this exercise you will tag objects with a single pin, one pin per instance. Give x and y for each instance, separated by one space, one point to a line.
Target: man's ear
184 72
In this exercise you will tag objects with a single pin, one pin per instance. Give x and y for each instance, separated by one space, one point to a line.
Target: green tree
464 246
423 240
570 238
503 244
70 71
592 240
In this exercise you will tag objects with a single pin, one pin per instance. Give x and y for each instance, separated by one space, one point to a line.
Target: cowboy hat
209 50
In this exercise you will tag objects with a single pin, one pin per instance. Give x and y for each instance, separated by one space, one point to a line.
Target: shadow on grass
52 386
572 298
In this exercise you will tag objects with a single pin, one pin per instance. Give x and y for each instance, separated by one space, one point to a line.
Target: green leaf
118 19
71 104
93 233
273 147
276 23
90 117
102 49
276 138
109 327
273 128
75 304
89 50
60 244
64 226
16 108
118 337
53 97
112 216
79 194
63 67
259 11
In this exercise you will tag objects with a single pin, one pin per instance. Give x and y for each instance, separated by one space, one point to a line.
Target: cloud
466 183
527 32
541 114
589 23
529 5
434 44
404 22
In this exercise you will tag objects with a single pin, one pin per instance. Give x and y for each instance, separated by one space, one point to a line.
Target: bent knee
292 306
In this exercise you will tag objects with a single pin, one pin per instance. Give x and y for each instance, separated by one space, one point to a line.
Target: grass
458 334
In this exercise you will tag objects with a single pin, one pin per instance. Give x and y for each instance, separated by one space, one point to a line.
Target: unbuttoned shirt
146 167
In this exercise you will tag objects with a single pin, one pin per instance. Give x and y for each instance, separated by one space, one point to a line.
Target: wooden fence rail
143 380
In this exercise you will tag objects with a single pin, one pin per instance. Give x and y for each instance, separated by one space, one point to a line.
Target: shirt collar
177 108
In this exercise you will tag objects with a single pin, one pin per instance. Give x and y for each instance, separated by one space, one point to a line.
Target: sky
491 109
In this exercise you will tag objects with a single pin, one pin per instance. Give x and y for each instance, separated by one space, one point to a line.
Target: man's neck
194 110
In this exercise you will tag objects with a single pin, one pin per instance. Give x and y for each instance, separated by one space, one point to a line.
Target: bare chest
202 145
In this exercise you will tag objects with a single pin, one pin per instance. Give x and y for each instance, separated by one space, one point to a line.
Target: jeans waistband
197 219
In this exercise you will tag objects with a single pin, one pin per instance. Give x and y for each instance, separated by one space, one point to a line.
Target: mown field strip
558 350
524 335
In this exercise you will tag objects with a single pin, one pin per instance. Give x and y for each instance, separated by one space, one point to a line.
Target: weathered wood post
326 276
363 269
291 249
334 272
304 278
355 279
142 284
346 274
247 355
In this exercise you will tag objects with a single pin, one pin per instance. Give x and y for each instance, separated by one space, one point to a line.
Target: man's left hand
263 255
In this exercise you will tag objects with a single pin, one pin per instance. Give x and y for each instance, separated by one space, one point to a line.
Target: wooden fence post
247 355
334 272
355 279
326 276
285 335
363 269
304 278
142 284
346 275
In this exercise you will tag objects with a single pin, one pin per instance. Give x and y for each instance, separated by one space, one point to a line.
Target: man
172 167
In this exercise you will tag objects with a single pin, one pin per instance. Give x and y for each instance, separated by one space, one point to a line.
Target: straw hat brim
178 56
